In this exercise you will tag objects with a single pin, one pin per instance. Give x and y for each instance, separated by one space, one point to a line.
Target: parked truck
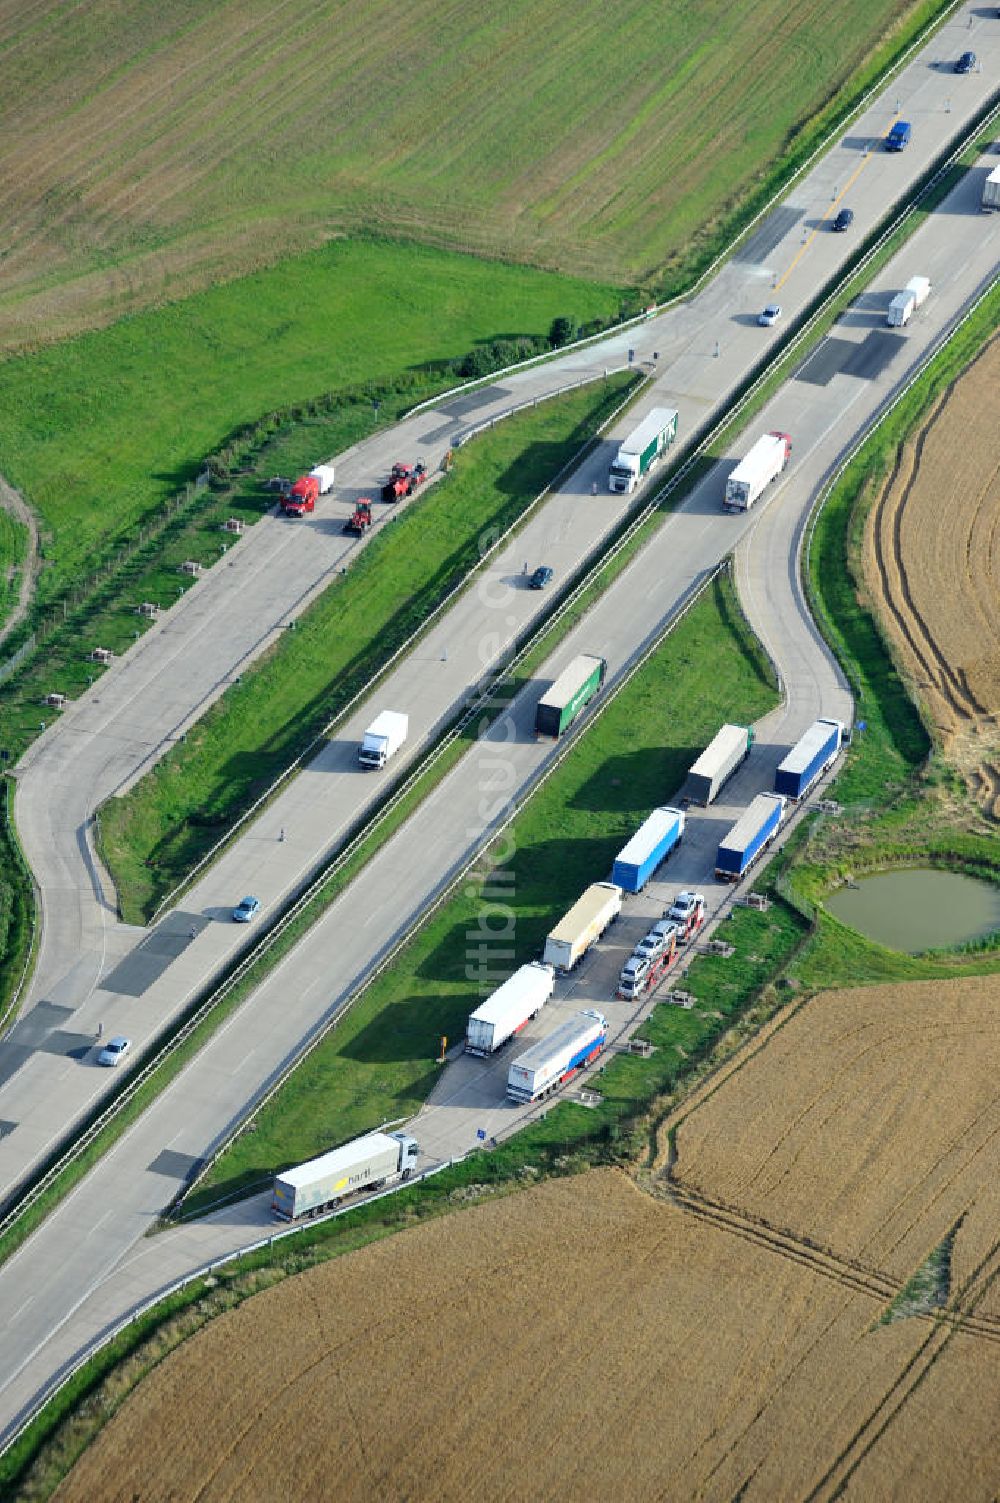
651 844
572 691
899 136
754 473
383 738
903 305
509 1008
643 447
750 836
549 1063
991 191
582 926
809 758
726 751
369 1163
302 496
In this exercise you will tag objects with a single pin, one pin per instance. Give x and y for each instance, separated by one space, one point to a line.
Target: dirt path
12 501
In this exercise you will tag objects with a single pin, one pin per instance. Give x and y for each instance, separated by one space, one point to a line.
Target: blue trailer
651 844
750 835
809 758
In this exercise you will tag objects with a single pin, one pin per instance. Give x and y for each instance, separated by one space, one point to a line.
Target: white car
769 315
114 1050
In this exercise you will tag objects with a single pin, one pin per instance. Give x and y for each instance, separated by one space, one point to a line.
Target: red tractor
302 496
360 519
403 481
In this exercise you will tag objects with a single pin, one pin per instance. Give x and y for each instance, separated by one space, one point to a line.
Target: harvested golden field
149 149
721 1337
932 563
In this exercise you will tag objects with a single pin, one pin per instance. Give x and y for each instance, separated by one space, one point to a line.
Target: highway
94 972
86 1264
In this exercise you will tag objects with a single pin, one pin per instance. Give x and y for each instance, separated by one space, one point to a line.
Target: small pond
918 910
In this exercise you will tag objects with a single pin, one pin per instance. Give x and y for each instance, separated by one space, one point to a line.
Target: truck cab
409 1151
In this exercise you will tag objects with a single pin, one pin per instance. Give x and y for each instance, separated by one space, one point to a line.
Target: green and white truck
643 447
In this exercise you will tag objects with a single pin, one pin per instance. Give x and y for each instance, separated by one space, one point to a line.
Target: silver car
114 1050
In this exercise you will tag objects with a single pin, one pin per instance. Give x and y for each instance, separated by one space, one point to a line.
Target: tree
563 331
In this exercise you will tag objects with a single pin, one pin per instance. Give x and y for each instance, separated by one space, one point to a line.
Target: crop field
167 147
578 1339
932 564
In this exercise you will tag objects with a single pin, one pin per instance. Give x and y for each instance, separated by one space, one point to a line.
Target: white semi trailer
754 473
509 1008
367 1163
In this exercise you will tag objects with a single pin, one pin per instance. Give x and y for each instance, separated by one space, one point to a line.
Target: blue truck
899 136
750 836
809 758
651 844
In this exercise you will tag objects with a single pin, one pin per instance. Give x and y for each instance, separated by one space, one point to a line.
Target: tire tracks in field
11 500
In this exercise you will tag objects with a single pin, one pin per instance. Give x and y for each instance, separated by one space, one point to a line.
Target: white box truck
585 922
754 473
643 447
902 307
369 1163
324 474
509 1008
383 737
991 191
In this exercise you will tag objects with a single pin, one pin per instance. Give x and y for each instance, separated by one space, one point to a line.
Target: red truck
302 497
403 481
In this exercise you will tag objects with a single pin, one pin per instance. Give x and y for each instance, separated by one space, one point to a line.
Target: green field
378 1063
100 431
176 144
154 835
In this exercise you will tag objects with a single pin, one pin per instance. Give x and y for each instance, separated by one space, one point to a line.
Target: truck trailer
991 191
582 926
573 689
545 1067
643 447
754 473
749 836
323 475
809 758
367 1163
507 1010
902 307
727 749
383 737
649 847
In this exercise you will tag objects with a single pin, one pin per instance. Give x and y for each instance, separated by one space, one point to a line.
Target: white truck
383 737
754 473
324 474
643 447
991 191
509 1008
369 1163
902 307
585 922
544 1067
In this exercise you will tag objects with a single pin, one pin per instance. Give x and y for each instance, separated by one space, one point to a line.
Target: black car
966 63
541 577
844 220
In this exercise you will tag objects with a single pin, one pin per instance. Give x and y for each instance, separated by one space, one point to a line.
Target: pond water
918 910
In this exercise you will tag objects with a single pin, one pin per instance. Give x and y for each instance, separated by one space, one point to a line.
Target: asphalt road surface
87 1264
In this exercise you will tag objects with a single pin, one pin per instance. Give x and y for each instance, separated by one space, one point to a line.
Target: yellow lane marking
825 216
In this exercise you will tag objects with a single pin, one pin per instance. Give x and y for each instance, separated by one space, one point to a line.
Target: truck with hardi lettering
763 463
639 452
550 1062
809 758
651 844
507 1010
582 926
750 836
727 750
369 1163
572 691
